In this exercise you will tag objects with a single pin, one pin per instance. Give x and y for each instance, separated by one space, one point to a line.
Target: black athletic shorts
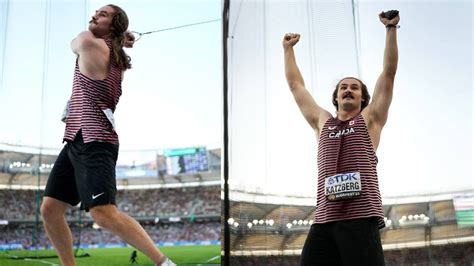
84 172
348 242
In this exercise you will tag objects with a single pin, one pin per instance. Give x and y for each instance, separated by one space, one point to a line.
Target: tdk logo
342 178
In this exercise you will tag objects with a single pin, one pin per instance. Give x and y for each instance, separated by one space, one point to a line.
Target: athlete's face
101 23
349 94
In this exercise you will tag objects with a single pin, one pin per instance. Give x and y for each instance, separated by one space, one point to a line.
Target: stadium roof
23 167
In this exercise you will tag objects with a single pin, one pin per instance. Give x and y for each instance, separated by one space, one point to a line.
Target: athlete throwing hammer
85 169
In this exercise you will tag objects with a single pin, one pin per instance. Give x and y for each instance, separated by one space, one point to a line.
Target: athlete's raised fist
390 17
290 39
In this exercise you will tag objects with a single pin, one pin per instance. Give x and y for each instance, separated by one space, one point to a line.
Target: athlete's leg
94 165
319 247
57 229
111 219
60 193
358 242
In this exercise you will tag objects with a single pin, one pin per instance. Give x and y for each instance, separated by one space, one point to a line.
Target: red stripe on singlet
89 97
352 152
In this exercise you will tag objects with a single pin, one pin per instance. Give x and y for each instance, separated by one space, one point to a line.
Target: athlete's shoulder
323 119
87 42
327 123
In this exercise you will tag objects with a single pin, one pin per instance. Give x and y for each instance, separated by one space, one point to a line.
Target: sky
426 146
172 97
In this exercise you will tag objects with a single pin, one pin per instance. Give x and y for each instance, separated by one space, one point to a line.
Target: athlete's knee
105 216
52 208
46 210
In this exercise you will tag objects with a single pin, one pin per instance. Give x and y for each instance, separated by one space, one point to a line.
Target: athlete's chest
336 131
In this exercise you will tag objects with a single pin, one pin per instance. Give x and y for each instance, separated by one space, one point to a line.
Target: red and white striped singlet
88 100
344 147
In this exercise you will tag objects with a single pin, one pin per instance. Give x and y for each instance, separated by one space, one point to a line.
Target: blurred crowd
451 254
21 204
26 233
170 202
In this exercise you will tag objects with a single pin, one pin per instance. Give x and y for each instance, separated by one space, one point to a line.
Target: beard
349 106
98 31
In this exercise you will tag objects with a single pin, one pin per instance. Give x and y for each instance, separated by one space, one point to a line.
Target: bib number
343 186
110 116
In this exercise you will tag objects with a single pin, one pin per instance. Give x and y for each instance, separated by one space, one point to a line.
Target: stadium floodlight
413 220
230 221
271 222
236 224
305 222
300 222
255 222
295 222
260 222
174 219
289 225
249 225
422 216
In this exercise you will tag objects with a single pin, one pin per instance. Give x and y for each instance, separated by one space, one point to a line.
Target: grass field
187 255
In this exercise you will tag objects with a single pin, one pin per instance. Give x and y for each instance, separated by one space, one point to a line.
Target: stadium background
425 154
168 121
32 122
178 204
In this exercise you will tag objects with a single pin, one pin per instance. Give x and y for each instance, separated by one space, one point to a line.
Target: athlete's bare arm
376 112
93 55
312 112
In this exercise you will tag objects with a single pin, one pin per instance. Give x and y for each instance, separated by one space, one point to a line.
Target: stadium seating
418 241
21 204
26 233
196 211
